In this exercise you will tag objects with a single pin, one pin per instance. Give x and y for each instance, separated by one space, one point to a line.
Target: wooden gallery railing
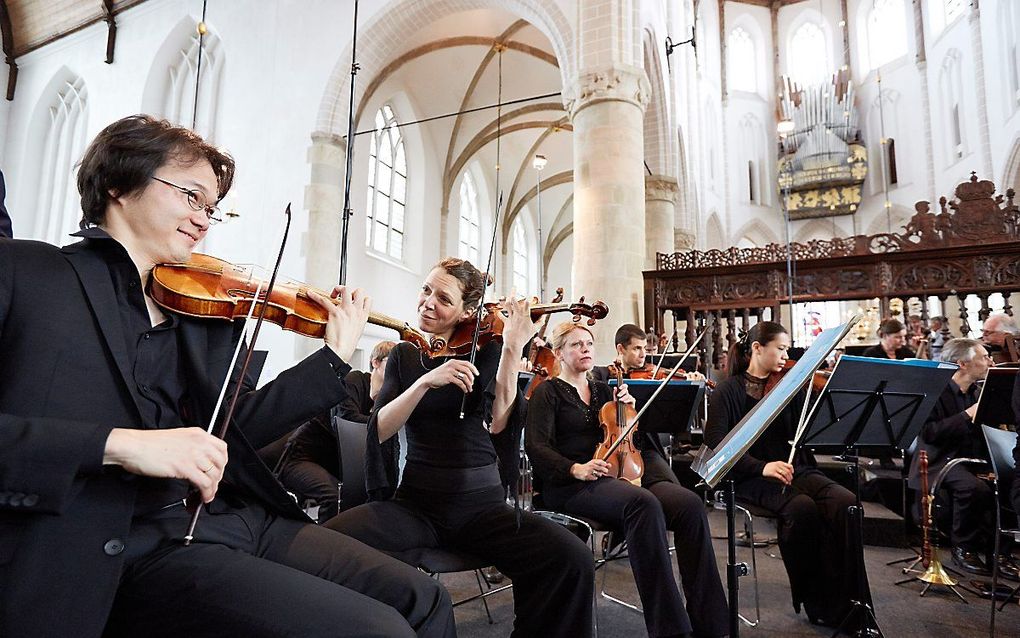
971 247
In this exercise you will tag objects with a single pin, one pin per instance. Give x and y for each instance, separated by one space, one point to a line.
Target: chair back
352 438
1000 450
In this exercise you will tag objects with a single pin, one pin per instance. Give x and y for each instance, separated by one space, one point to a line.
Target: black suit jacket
64 384
5 219
948 433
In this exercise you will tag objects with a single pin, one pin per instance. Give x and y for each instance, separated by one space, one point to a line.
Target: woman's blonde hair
558 339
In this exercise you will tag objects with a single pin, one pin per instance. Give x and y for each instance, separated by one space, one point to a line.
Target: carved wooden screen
972 246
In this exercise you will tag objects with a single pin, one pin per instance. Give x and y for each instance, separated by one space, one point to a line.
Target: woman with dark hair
892 340
451 495
810 507
562 434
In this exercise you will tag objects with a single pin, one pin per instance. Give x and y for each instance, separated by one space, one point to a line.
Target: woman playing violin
450 494
562 432
811 508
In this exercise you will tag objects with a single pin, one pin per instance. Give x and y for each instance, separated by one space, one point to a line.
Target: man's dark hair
628 331
123 157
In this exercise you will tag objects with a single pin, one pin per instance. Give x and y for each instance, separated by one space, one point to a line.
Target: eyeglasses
197 201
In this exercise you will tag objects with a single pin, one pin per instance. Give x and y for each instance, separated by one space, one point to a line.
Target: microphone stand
346 219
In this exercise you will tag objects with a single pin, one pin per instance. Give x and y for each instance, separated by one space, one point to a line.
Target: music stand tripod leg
859 608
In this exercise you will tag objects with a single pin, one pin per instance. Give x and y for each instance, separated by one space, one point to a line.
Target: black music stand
995 403
869 402
673 410
669 360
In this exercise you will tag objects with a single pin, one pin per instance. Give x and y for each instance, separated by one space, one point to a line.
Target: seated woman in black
450 494
892 342
311 466
562 433
811 508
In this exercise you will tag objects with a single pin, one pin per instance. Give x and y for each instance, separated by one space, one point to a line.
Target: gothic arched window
885 33
808 62
942 13
469 226
951 89
743 72
63 145
179 104
1009 23
387 187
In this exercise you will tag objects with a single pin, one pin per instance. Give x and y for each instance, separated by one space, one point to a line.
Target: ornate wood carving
970 246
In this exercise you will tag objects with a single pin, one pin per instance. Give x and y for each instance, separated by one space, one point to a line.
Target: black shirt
436 436
358 404
154 361
876 352
562 429
729 404
949 433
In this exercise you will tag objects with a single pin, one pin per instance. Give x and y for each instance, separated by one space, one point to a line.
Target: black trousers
644 514
813 538
309 479
973 510
253 574
552 570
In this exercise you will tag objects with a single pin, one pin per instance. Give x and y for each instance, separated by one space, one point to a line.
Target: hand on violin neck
622 395
346 319
518 328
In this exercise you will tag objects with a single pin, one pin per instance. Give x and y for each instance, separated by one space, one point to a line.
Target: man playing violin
104 397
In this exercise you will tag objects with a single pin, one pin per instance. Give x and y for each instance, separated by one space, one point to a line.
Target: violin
209 287
818 380
491 327
624 459
542 360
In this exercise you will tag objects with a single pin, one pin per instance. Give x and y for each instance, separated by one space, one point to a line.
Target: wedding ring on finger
460 375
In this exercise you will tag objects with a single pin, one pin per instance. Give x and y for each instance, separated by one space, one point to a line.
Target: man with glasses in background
999 334
949 433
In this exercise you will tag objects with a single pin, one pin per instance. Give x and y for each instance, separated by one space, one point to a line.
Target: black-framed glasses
197 200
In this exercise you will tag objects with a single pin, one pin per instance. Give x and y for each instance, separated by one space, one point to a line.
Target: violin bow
651 399
224 426
495 224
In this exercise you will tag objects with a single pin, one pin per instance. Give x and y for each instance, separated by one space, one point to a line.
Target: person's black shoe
492 575
970 561
1008 568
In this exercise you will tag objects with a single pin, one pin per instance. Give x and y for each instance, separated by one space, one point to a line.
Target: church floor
901 612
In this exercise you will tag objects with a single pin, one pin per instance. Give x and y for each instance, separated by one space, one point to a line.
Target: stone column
661 194
324 201
606 107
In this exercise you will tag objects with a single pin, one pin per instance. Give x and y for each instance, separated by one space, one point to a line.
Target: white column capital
661 188
682 240
616 83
